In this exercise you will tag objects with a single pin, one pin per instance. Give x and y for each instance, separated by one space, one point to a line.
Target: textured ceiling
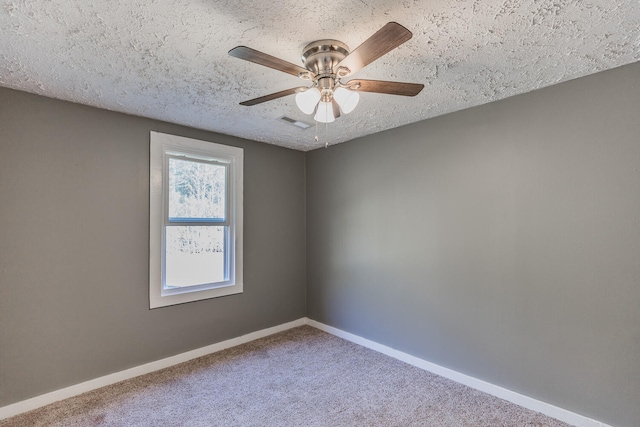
167 59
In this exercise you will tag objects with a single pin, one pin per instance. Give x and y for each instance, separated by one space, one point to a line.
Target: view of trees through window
197 194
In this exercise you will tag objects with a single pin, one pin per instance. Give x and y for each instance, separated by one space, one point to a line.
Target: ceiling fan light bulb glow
307 100
346 99
324 114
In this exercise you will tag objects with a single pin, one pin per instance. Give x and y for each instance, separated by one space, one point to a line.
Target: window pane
194 256
196 190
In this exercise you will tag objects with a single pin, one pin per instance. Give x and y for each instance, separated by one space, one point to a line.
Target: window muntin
195 220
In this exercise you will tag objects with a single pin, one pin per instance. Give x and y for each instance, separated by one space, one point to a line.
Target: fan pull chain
326 136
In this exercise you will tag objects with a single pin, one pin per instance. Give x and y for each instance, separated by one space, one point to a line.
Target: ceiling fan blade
271 96
384 40
391 88
257 57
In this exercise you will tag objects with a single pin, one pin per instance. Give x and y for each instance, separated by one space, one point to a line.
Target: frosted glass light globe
307 100
325 112
346 99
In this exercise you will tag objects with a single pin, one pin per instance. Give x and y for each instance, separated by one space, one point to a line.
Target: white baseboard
492 389
74 390
503 393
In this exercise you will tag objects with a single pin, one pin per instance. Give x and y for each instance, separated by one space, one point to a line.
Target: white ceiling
167 59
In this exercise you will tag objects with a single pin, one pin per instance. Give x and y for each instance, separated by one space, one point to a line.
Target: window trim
161 146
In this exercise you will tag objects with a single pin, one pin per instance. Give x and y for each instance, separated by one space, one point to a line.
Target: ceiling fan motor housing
322 56
321 59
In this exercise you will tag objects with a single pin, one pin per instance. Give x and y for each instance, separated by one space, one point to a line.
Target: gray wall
502 241
74 247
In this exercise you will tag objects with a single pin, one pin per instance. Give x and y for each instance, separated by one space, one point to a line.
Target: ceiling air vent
294 122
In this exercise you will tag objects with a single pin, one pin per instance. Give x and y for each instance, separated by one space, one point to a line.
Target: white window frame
161 147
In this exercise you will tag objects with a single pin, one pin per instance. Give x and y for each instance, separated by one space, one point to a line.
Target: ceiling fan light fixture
346 99
307 100
324 113
326 62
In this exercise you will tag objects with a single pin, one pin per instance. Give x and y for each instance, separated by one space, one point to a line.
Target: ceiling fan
326 63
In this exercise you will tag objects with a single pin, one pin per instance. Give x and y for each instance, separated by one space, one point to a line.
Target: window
195 235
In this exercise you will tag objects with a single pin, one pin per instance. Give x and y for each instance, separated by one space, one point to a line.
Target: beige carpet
301 377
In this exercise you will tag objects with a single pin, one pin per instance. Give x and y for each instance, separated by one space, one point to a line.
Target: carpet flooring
300 377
